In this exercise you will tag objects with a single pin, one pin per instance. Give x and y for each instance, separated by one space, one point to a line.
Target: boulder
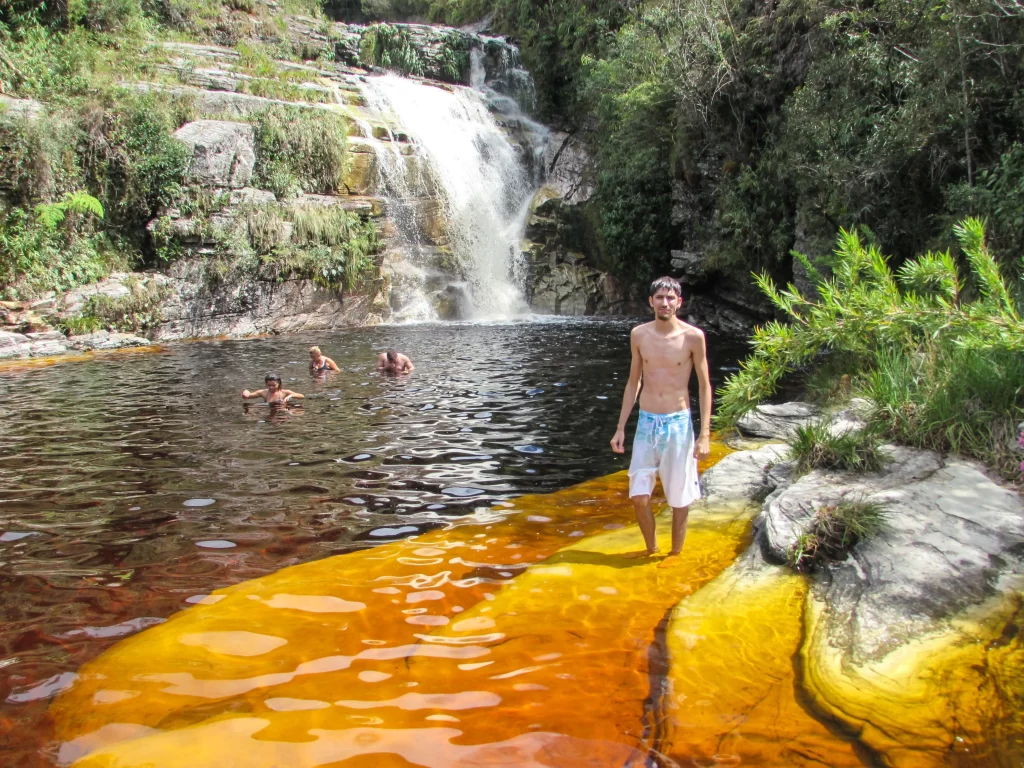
949 533
29 109
912 641
13 345
74 301
223 153
742 475
777 421
87 342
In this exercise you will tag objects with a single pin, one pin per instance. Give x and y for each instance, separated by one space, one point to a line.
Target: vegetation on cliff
90 130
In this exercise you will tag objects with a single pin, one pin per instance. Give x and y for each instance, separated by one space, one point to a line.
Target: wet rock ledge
911 644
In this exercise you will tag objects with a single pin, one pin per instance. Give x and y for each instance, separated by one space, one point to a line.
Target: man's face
665 303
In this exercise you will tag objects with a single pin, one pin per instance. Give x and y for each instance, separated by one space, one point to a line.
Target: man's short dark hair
392 355
666 284
272 377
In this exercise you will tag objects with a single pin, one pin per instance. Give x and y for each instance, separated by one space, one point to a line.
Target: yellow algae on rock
353 659
731 696
955 697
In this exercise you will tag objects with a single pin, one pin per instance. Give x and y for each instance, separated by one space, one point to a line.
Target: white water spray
465 164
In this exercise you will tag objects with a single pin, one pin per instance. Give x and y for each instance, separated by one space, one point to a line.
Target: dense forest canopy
738 130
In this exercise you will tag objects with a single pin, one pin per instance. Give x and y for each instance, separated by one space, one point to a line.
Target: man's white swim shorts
663 445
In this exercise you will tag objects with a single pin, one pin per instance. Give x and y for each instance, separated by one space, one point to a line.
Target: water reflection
133 486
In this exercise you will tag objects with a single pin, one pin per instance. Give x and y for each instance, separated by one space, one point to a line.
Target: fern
50 215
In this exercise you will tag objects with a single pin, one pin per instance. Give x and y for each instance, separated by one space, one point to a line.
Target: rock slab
223 153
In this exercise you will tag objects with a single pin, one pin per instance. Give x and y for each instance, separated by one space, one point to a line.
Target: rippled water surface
132 485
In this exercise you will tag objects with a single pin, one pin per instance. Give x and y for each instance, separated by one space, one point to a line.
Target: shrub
816 446
35 259
300 149
941 357
390 47
133 313
833 532
330 246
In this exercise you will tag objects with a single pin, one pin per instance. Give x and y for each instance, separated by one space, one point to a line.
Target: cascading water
459 202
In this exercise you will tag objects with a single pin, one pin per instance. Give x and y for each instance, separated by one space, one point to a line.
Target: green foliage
80 324
50 215
833 532
942 363
300 150
390 47
35 259
454 57
330 246
817 446
134 313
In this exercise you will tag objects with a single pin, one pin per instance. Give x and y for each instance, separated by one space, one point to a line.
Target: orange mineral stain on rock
537 653
952 698
732 695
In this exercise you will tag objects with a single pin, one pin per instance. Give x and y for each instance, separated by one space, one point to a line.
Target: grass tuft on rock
817 446
833 532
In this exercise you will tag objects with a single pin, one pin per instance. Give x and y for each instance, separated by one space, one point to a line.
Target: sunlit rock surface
732 694
912 641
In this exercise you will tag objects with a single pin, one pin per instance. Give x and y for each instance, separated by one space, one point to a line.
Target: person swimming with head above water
318 363
394 361
274 393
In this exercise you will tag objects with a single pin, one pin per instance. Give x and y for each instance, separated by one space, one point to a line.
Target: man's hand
703 448
619 441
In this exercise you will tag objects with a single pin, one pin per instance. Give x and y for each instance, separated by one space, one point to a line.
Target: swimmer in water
394 361
274 394
318 363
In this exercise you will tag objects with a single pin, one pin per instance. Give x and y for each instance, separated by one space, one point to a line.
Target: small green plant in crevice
817 446
833 531
390 47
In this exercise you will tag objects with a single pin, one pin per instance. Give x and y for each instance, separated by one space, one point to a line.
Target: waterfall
459 200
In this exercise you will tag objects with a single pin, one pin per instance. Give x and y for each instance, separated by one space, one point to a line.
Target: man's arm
700 364
408 367
382 362
246 394
636 365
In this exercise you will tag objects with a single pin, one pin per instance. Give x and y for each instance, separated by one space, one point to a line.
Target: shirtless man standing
665 353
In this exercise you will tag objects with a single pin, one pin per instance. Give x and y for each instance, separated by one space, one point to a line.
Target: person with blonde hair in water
319 363
665 352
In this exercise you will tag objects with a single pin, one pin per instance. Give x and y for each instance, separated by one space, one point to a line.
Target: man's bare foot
642 553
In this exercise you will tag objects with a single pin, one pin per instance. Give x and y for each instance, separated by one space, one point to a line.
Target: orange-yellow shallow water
528 639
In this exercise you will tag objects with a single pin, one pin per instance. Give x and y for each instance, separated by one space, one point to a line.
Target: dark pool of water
132 485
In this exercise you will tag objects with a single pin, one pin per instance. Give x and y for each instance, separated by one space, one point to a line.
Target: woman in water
274 394
318 363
